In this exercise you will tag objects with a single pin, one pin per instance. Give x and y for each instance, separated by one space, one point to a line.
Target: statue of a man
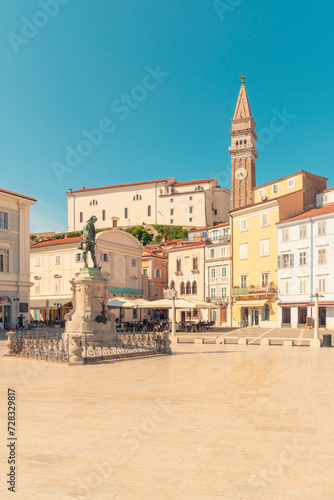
87 244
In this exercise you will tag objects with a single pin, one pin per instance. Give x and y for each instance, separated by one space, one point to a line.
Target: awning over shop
41 303
251 303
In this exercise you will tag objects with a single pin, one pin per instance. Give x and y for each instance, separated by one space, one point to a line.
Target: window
285 260
264 248
302 285
244 281
190 210
157 291
212 293
172 200
103 215
172 211
3 220
188 288
37 261
57 285
223 251
261 193
178 264
137 197
4 261
266 313
243 225
194 288
78 257
182 288
134 313
302 231
243 251
264 279
322 255
126 213
57 259
149 211
322 285
291 183
190 220
264 220
285 287
172 221
93 202
324 198
105 257
199 188
81 217
224 293
322 227
190 198
303 258
134 262
285 234
224 272
212 253
37 288
195 263
157 273
172 285
145 272
275 188
204 234
212 272
215 235
216 211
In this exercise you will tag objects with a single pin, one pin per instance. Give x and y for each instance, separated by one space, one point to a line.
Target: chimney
164 238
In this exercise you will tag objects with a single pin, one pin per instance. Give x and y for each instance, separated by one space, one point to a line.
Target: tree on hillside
171 232
141 234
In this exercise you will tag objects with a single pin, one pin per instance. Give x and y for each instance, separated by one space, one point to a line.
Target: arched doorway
5 312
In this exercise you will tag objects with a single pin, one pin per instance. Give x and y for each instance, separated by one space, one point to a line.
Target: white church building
165 201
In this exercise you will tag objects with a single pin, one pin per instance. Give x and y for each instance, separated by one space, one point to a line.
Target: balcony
195 270
217 300
255 290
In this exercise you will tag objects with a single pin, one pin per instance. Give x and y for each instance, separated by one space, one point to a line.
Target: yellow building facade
255 212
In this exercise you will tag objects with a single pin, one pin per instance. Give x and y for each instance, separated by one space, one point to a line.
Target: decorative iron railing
86 348
124 346
38 346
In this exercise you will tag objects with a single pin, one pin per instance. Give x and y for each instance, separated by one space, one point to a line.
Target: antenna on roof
82 187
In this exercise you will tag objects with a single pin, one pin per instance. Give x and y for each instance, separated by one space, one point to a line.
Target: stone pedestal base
90 315
315 343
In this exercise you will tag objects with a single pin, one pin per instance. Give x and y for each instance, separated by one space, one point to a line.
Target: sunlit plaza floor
212 421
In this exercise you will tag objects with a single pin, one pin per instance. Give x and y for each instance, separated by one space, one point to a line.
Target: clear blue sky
63 77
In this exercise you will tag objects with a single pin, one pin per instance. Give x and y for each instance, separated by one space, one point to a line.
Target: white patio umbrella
120 303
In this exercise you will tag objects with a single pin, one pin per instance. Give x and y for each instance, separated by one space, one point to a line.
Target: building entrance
255 317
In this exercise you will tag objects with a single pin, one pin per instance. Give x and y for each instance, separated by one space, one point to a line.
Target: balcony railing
217 299
255 290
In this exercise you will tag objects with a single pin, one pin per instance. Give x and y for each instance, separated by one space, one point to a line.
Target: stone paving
210 422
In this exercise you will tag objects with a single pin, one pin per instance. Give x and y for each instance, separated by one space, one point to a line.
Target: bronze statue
87 244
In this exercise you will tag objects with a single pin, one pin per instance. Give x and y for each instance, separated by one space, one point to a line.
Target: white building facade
163 201
186 274
14 257
54 264
218 273
306 265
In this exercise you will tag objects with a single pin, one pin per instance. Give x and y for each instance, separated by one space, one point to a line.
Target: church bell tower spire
243 151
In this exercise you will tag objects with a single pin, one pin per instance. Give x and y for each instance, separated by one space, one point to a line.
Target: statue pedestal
89 315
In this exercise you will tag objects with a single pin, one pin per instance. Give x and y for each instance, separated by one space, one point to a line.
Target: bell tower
243 151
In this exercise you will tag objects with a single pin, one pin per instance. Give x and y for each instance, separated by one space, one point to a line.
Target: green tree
141 234
171 232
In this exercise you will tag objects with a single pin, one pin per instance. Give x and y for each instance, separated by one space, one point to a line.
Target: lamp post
316 340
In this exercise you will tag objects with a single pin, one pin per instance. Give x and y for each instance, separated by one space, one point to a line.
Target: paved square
212 421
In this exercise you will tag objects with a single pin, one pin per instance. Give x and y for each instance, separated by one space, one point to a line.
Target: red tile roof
194 244
328 189
120 185
57 241
202 181
310 213
223 224
269 200
288 176
17 194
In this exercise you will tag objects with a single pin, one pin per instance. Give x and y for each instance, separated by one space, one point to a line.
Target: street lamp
316 340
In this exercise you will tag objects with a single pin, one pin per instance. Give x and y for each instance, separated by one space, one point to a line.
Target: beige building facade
163 201
54 264
14 257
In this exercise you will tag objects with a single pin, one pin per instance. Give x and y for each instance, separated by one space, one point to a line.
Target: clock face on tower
241 174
